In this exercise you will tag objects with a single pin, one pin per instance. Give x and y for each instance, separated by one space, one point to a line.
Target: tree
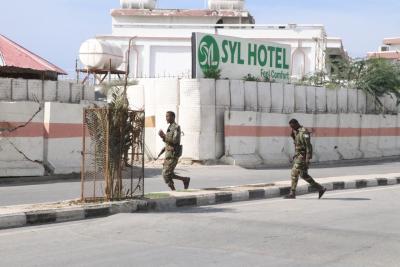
377 77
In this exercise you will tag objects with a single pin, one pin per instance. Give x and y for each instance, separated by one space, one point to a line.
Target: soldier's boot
172 186
186 182
321 192
292 195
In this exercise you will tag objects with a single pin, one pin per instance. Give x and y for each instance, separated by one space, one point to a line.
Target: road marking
357 191
266 201
36 229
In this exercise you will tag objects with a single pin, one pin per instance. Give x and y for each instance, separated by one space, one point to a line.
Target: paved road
347 228
202 177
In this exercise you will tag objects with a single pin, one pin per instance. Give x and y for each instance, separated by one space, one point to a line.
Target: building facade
161 38
18 62
390 50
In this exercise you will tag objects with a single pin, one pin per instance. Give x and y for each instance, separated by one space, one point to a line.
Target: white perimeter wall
204 107
200 105
253 138
51 138
38 90
21 151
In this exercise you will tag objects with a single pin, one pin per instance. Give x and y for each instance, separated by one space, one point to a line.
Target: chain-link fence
113 154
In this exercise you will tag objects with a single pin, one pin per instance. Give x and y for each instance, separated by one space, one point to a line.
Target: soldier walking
173 151
303 155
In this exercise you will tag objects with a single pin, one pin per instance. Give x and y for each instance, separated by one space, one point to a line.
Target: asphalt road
202 177
347 228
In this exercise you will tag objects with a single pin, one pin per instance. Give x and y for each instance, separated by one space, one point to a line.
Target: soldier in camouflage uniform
173 151
303 155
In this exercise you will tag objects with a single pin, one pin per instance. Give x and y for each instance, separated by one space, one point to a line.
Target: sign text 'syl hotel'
237 58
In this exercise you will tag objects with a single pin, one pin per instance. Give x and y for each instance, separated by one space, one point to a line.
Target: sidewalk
55 189
34 214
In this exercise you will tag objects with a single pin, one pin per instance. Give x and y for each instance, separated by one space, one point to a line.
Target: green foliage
377 77
114 130
119 140
316 79
250 78
109 88
212 73
267 80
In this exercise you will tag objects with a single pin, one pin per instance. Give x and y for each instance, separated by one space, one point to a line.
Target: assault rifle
162 152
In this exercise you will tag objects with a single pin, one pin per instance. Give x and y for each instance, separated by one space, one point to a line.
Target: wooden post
83 153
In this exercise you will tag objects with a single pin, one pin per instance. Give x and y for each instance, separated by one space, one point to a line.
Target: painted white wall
308 43
38 90
18 154
160 55
63 155
202 107
278 148
395 47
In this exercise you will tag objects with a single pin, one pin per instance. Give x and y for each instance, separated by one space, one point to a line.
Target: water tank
139 4
96 54
226 4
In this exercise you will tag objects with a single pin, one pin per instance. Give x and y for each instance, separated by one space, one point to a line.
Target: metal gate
113 154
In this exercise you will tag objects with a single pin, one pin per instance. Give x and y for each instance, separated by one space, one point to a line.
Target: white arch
298 63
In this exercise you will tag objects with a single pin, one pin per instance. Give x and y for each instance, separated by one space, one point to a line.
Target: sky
54 29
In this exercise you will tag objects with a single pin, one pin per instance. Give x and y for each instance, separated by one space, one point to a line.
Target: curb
58 178
335 163
214 197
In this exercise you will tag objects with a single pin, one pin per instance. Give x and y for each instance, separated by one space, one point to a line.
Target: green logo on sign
208 54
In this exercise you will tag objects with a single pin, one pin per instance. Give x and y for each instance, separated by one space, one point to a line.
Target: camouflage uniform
303 150
172 142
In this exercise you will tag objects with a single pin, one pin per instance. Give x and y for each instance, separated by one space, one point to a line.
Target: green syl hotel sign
238 57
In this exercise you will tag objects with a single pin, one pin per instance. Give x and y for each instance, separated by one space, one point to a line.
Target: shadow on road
202 210
152 172
340 163
339 199
348 199
53 179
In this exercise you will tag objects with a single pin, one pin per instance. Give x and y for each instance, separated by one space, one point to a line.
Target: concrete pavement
347 228
203 177
34 214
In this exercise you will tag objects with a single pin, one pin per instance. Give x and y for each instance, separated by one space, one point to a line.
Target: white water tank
139 4
226 4
97 54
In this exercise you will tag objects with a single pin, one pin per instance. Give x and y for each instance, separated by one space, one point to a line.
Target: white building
161 38
390 50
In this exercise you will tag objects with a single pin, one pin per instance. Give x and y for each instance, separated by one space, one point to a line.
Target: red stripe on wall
37 129
48 130
254 131
63 130
73 130
33 129
381 132
278 131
